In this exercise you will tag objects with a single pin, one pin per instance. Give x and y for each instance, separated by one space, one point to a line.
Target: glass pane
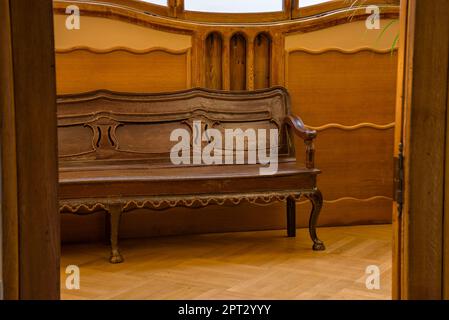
307 3
159 2
234 6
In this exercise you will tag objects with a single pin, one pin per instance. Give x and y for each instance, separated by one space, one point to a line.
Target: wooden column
198 57
278 63
250 62
225 60
29 151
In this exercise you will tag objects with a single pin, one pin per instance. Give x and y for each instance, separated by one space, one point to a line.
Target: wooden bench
114 152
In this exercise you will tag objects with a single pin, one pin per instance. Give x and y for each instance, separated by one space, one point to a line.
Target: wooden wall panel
213 63
355 163
238 62
122 69
146 223
349 97
262 61
102 32
348 88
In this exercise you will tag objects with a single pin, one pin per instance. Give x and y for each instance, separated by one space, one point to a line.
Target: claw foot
116 257
318 246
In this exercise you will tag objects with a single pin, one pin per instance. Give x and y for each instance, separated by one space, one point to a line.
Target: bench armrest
298 127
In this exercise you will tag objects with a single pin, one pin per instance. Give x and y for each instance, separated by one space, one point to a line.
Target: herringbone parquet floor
251 265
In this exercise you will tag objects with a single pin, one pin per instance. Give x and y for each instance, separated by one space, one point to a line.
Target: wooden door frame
423 99
398 142
31 230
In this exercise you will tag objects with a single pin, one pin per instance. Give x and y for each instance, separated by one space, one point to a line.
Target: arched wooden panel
213 63
237 63
262 61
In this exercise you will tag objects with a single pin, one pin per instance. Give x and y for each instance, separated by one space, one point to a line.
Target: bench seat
188 180
114 154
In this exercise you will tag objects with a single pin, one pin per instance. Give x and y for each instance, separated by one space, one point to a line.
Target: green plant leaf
396 39
384 30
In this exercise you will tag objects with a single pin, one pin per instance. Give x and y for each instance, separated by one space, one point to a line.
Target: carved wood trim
279 91
124 49
339 50
82 208
354 127
335 5
142 17
262 114
87 206
359 200
353 199
201 104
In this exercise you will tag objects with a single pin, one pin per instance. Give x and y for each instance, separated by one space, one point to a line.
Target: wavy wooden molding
66 207
343 199
161 203
123 49
358 200
354 127
340 50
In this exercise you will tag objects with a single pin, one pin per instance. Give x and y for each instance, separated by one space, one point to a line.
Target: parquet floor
250 265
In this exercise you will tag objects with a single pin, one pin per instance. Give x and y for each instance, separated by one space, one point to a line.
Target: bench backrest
105 127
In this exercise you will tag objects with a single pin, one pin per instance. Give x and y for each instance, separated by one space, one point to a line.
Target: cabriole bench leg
317 203
291 217
115 213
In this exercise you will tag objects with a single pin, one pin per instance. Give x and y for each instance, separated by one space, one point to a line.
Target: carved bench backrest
106 128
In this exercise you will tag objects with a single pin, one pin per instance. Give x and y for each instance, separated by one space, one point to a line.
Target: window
234 6
158 2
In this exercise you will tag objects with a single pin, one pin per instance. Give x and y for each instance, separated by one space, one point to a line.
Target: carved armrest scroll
298 127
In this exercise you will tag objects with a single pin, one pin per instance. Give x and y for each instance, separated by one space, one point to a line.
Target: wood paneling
213 64
147 223
31 239
335 5
289 11
237 63
122 69
104 33
354 163
351 36
140 17
348 88
349 98
262 61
